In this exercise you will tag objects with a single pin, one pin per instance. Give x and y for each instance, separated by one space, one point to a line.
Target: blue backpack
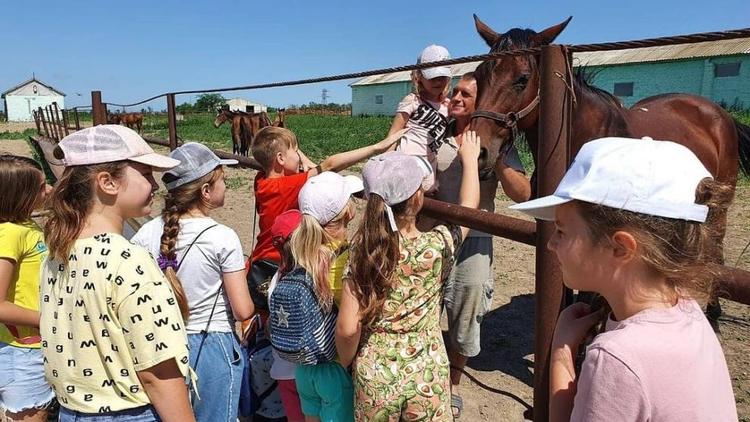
301 332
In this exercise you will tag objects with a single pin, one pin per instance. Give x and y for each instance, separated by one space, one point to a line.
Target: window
378 99
723 70
624 89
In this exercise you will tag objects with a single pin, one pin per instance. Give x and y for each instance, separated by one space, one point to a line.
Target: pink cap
109 143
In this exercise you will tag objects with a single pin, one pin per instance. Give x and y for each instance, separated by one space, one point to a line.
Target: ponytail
373 259
308 246
70 203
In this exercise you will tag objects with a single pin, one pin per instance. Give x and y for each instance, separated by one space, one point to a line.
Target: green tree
184 108
209 102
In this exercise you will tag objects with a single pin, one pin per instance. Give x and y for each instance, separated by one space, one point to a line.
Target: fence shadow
507 337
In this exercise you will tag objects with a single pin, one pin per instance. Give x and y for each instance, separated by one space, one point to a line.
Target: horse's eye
521 82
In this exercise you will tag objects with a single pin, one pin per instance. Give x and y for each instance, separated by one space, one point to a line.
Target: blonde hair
177 202
416 82
20 179
268 142
678 250
70 204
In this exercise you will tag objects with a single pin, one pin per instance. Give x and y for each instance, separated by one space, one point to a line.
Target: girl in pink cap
114 340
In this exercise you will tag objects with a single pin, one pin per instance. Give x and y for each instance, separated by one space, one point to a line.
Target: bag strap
195 239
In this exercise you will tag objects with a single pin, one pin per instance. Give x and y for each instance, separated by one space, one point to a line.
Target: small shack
27 96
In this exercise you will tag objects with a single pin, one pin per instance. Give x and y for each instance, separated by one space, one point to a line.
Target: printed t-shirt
450 170
24 244
658 365
217 251
427 127
106 314
273 197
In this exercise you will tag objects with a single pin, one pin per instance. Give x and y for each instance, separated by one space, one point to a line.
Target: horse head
222 116
507 88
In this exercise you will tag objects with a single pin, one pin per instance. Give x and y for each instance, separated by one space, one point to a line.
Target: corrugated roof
34 79
605 58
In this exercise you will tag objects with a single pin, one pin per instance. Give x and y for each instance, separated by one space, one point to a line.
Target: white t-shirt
280 368
217 251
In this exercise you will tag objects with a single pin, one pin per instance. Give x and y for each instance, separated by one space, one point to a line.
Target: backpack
301 332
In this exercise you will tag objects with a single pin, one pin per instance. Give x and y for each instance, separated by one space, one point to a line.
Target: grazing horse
132 120
510 86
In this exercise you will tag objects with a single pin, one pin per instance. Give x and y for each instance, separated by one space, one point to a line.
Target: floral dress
401 371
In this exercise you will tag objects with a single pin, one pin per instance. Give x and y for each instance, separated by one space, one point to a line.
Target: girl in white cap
319 247
628 216
425 111
203 261
113 338
390 308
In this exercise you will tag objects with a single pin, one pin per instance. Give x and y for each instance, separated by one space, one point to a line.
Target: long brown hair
373 259
178 202
20 186
678 250
70 203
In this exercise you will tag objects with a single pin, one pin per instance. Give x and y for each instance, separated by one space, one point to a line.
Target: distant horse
113 118
508 95
278 121
132 120
244 127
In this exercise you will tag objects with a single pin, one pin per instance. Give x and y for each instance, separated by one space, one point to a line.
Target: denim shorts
219 369
22 383
138 414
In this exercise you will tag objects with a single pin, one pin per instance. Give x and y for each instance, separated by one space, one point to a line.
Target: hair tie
165 262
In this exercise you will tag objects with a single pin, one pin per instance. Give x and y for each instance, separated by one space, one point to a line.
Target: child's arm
572 325
307 164
469 194
235 284
10 313
338 162
165 387
399 122
348 327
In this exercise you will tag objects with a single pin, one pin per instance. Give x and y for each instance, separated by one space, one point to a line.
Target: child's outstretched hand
391 139
574 323
470 147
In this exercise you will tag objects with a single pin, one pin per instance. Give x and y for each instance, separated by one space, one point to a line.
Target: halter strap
508 120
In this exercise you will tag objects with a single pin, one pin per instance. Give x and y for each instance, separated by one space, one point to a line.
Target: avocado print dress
401 371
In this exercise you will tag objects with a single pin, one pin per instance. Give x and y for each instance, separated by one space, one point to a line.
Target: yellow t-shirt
106 314
336 272
24 244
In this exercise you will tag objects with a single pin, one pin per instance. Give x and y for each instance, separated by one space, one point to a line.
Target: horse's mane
583 78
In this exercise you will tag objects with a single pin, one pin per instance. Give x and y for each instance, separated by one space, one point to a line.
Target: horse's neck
594 117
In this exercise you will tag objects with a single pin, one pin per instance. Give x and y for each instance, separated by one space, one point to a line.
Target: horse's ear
548 35
488 35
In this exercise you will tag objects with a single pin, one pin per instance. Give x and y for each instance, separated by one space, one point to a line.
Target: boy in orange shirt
285 171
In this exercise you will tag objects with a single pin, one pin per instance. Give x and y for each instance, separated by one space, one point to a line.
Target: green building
719 70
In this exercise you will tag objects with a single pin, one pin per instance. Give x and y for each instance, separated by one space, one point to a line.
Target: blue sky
131 50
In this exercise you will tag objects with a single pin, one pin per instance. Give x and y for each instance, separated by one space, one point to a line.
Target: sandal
457 405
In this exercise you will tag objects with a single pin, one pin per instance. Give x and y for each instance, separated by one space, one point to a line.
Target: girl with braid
203 261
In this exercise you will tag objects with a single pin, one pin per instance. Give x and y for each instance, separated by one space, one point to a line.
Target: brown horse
511 85
224 115
113 118
132 120
244 127
278 121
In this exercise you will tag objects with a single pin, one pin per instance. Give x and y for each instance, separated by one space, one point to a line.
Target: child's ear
279 158
107 183
624 246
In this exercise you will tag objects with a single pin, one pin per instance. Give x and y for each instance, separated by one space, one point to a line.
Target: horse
244 127
278 121
132 120
222 116
113 118
508 95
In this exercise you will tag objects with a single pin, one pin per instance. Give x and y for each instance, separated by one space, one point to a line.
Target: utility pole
324 96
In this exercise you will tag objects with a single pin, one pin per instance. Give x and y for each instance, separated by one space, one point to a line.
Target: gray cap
395 177
196 161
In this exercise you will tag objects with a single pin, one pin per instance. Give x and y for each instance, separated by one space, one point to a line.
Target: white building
27 96
241 104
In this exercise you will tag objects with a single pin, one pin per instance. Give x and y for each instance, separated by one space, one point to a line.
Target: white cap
650 177
434 53
108 143
395 177
325 195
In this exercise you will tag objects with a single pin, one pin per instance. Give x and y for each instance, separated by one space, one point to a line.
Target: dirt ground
501 377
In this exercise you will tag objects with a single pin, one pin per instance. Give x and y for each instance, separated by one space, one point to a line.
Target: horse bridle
508 120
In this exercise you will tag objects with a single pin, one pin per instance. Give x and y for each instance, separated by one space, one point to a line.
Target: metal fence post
98 111
552 151
172 121
78 121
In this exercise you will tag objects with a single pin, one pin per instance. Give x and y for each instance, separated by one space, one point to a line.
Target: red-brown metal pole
98 112
552 153
40 112
172 122
60 131
65 122
52 132
37 122
78 121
